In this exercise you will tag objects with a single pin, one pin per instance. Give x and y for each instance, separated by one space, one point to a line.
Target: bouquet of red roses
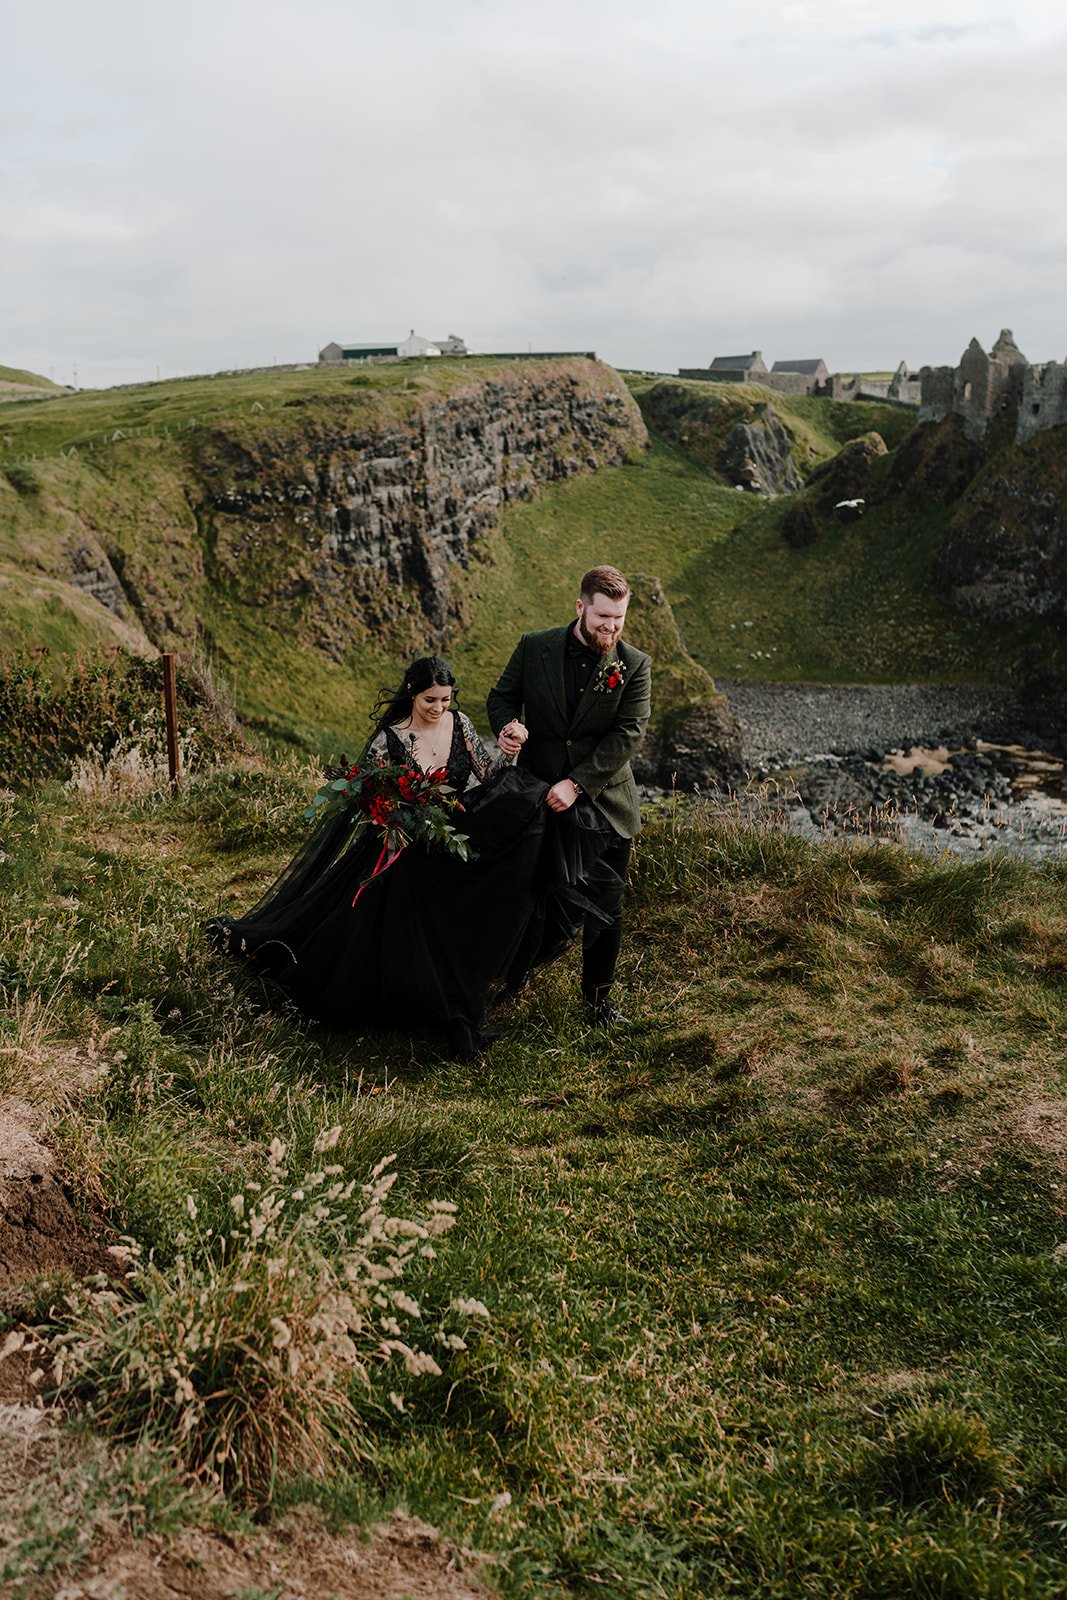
404 802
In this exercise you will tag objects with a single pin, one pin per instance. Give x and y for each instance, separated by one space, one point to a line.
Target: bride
425 936
416 723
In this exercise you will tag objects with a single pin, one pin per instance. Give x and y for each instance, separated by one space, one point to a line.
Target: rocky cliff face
738 439
695 742
757 456
1004 554
352 528
341 513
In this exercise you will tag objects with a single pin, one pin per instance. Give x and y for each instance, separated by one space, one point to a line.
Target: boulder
757 456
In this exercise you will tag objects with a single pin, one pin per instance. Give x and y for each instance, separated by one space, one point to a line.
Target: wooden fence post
170 707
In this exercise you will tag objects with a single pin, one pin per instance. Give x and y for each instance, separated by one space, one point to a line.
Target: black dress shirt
579 665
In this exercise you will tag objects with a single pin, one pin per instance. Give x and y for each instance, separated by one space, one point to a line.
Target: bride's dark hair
395 705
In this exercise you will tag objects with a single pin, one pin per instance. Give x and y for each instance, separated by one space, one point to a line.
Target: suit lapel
552 658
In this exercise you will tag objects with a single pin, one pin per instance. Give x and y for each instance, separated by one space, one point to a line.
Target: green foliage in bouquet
405 803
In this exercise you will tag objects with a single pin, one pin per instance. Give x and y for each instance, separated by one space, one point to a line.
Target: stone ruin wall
999 386
1044 399
905 391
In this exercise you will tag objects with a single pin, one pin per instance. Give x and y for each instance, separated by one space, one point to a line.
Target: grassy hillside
126 468
858 606
697 417
17 378
855 606
774 1280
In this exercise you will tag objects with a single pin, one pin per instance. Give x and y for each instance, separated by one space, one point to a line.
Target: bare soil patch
40 1236
1043 1123
402 1559
39 1233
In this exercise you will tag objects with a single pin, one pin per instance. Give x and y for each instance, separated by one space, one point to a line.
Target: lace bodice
468 759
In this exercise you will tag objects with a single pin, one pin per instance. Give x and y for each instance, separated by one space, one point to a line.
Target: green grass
775 1304
856 607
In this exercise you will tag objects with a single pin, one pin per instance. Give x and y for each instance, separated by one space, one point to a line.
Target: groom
573 704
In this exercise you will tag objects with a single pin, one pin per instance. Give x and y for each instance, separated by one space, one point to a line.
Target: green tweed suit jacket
595 745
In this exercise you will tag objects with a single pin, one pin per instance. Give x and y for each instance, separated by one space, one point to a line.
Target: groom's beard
591 640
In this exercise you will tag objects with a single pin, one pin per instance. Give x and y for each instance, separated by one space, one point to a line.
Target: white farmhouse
416 345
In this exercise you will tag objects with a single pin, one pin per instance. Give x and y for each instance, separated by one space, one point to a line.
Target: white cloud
233 183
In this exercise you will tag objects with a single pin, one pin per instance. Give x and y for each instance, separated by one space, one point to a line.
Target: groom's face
600 621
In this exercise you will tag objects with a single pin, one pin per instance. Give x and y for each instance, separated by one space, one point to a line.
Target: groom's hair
607 581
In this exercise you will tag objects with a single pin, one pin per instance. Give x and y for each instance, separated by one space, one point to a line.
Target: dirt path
299 1559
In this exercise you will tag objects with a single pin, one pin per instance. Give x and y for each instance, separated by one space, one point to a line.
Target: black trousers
600 941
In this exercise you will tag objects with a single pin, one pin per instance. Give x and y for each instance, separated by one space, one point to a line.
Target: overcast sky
234 182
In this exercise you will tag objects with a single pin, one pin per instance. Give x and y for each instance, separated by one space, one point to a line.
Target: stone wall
907 391
938 385
780 382
1043 403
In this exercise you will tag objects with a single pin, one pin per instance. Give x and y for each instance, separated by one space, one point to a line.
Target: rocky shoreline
937 767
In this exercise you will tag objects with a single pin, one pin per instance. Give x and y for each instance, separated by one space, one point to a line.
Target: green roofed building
401 350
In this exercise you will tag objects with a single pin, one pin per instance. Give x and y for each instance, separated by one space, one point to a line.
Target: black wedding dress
430 939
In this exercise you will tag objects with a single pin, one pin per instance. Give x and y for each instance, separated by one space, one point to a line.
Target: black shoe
466 1043
601 1012
515 984
462 1042
609 1016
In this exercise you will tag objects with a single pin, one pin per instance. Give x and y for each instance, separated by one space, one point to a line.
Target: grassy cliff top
391 391
855 606
17 378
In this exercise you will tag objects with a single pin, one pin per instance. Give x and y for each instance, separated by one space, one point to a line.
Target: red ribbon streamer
379 866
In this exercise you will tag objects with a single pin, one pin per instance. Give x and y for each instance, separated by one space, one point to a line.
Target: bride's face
431 705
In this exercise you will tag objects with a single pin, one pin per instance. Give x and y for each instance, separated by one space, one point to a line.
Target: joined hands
512 737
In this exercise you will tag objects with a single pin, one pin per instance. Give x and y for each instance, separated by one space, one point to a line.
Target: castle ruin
999 387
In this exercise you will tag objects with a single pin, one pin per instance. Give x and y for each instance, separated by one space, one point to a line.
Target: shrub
22 479
242 1355
107 709
936 1453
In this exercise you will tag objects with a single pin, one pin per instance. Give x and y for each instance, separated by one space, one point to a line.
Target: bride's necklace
430 745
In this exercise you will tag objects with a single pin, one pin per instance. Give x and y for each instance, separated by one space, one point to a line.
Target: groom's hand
562 795
512 738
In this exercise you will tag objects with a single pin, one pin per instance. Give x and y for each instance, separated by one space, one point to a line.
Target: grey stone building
731 369
807 376
905 386
1044 399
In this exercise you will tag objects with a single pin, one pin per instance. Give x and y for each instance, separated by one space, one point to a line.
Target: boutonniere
611 675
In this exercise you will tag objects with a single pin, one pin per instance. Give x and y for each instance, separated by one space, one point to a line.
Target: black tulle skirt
430 939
